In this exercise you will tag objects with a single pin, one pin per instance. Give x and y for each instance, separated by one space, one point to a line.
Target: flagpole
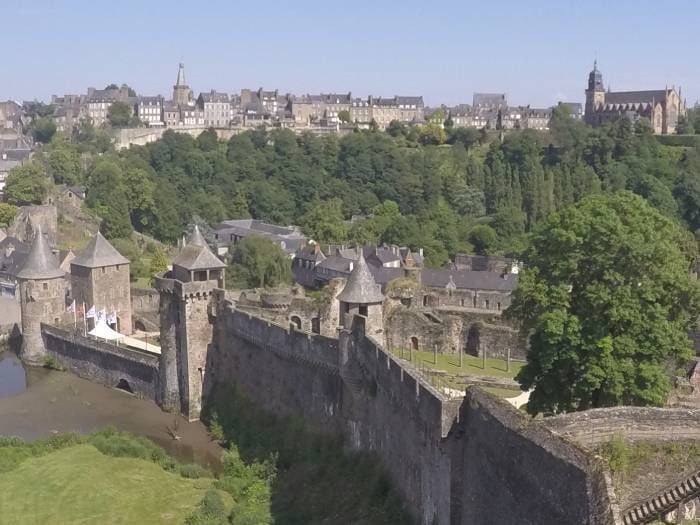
84 320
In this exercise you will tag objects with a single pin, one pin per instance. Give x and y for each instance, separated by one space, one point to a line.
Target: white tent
103 331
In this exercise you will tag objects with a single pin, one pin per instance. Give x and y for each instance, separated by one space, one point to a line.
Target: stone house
315 108
383 110
150 110
98 101
489 102
537 119
215 108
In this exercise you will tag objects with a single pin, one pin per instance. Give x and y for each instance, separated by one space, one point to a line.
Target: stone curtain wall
284 370
392 412
596 426
511 469
103 362
458 461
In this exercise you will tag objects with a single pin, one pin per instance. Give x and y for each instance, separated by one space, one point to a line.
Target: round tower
42 288
362 296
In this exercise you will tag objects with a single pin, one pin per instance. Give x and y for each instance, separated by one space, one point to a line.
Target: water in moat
35 402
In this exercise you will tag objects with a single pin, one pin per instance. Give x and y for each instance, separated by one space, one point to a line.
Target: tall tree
607 301
27 184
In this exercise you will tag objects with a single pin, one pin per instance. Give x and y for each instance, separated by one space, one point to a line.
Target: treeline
464 190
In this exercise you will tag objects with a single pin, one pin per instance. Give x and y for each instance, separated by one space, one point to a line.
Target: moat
36 402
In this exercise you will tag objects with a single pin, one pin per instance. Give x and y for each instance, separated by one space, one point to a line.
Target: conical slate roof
40 263
361 286
196 255
99 253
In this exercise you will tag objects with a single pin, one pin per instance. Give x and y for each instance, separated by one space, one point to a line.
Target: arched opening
431 300
140 326
414 343
474 300
473 340
487 304
296 321
124 385
316 325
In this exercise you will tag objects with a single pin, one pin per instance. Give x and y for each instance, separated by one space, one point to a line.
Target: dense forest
443 190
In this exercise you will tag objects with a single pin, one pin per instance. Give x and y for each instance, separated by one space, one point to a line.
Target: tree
685 126
63 160
119 114
258 262
27 184
43 129
483 238
607 301
7 214
107 196
467 137
159 262
324 222
344 116
431 134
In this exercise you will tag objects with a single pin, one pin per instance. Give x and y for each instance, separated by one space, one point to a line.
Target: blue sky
537 52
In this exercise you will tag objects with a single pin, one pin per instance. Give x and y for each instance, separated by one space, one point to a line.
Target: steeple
197 255
361 288
41 263
196 238
181 75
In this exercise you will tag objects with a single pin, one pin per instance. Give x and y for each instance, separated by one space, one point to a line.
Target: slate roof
12 263
361 288
99 253
196 255
214 96
40 263
468 279
633 97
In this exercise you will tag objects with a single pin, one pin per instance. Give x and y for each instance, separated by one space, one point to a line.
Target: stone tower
363 296
595 94
100 278
42 289
188 299
182 94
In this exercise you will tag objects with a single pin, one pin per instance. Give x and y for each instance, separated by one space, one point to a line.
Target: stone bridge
109 364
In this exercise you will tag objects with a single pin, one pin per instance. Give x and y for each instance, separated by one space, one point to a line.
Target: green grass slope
80 485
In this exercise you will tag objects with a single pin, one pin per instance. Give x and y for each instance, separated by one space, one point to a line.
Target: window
46 286
363 310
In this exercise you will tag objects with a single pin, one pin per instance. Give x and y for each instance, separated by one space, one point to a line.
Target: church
661 107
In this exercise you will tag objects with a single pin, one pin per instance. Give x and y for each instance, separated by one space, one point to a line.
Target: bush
51 363
193 471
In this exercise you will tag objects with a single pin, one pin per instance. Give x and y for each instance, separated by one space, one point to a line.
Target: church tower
42 289
362 296
595 94
182 94
188 301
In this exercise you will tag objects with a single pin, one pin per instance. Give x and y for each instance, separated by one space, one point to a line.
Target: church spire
181 75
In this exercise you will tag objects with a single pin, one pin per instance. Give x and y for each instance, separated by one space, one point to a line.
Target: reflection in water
36 402
13 379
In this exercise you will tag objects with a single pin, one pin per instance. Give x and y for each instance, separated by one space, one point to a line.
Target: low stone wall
596 426
103 362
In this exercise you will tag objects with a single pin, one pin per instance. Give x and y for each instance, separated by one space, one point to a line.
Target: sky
536 51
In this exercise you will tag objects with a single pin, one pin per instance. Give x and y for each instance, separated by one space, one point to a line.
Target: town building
229 232
489 102
575 109
11 115
150 110
661 107
98 101
182 94
382 111
315 108
215 108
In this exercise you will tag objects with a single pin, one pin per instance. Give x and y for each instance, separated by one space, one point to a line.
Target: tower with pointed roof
100 278
362 296
187 305
42 288
182 94
595 93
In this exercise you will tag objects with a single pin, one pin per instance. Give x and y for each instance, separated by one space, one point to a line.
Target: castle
661 107
467 459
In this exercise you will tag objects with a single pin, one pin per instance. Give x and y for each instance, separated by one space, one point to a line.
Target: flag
112 318
100 314
91 313
71 307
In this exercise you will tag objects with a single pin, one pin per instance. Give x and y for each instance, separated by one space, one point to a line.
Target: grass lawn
81 485
471 365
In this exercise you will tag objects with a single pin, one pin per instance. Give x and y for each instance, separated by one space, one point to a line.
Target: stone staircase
664 502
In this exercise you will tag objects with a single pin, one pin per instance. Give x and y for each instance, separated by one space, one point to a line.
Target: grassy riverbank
117 478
